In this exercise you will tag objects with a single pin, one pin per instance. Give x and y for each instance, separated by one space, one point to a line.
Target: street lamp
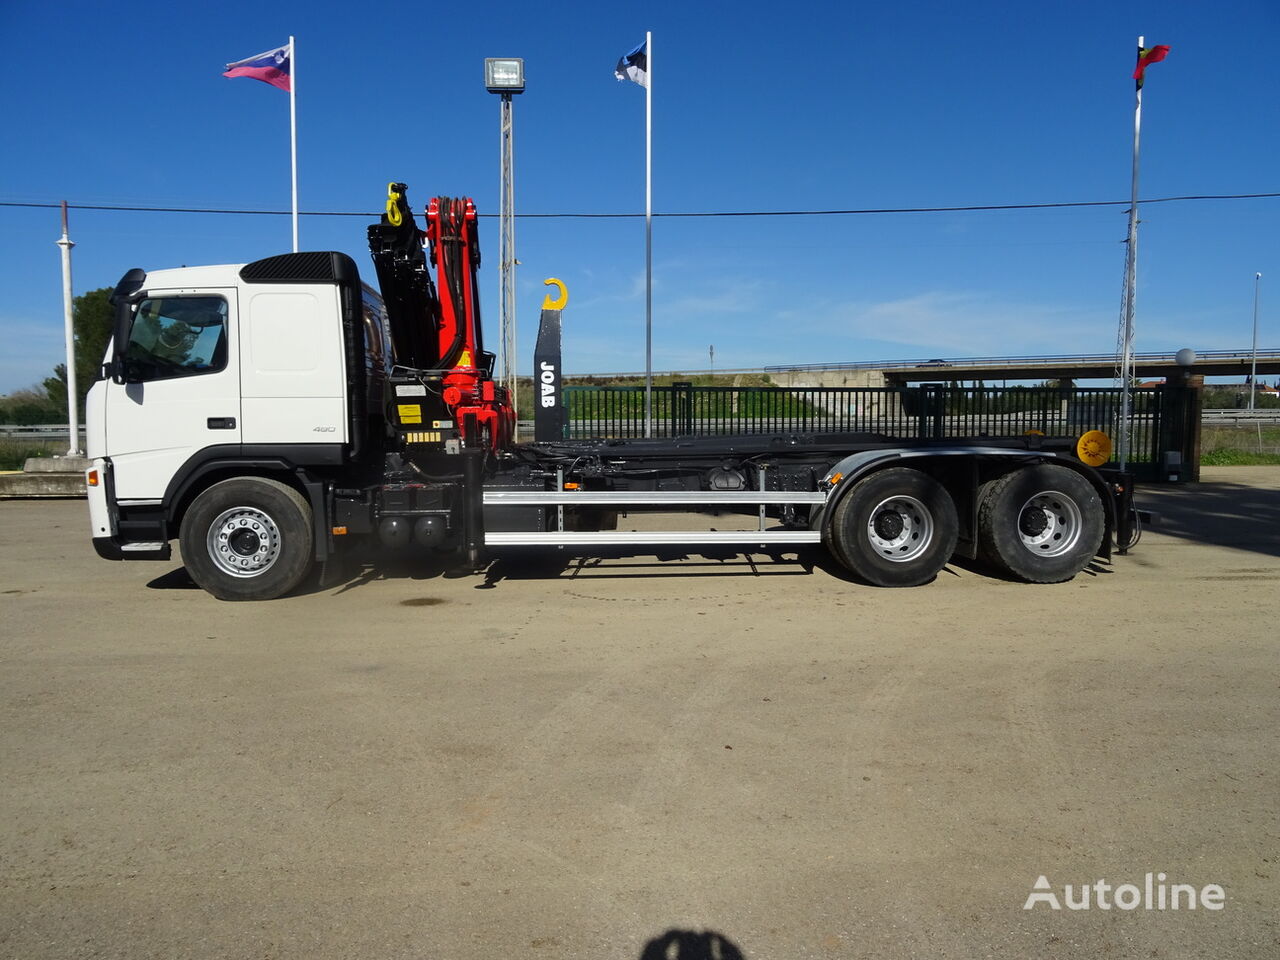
505 77
1186 361
1253 370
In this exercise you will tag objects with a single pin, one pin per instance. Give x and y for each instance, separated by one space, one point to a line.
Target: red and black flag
1148 55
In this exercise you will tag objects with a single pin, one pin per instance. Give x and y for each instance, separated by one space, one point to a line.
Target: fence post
1180 426
682 409
936 406
1191 441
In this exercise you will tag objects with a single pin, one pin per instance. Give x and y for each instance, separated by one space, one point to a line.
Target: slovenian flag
1148 55
634 66
271 67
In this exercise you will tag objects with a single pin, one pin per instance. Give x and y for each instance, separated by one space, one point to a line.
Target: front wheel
896 528
248 539
1040 524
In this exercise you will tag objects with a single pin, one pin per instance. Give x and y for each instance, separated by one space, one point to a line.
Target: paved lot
572 762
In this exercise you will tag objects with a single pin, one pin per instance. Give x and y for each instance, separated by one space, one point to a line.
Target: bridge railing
1016 362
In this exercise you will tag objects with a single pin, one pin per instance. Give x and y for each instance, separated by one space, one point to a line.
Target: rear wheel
248 539
896 528
1040 524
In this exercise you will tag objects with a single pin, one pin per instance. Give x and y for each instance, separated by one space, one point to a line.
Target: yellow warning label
427 436
409 412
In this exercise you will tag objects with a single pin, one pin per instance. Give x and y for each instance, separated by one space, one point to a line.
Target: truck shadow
177 579
361 568
352 572
348 573
1217 513
620 564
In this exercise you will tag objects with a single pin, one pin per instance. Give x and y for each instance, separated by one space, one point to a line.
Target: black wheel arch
215 464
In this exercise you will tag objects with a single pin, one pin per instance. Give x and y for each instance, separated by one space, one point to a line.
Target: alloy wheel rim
244 542
1050 524
900 528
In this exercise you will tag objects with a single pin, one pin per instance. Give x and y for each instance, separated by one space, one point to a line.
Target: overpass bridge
1208 363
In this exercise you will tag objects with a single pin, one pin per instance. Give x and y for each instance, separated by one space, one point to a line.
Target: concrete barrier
45 477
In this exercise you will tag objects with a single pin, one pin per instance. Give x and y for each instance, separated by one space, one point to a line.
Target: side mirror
122 300
117 367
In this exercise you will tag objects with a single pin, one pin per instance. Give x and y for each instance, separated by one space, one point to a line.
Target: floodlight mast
1253 366
505 77
68 312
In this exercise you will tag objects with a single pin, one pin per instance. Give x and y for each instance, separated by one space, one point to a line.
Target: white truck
263 414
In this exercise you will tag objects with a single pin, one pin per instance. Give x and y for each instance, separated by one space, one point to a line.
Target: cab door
181 392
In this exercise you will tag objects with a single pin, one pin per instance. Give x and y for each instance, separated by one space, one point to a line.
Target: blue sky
756 107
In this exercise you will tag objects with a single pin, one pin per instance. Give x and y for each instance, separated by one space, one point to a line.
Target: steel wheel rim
904 544
1063 524
243 542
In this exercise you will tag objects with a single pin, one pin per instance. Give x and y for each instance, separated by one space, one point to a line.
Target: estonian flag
271 67
634 66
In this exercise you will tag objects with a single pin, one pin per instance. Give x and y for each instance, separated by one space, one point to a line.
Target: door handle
221 423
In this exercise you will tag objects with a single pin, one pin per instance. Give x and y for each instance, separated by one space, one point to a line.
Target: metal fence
929 411
37 431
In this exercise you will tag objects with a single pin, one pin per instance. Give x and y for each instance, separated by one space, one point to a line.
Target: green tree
29 405
92 318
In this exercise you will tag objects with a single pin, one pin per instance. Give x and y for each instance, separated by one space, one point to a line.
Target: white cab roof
219 275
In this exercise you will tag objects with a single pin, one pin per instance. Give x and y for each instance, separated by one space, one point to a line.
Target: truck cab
274 368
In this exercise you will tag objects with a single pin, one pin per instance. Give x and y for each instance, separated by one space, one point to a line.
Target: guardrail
1030 361
1240 417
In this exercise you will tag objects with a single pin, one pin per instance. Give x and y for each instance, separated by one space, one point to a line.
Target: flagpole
293 134
1130 286
648 236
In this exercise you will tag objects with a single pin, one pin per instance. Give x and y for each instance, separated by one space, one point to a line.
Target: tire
896 528
1040 524
248 539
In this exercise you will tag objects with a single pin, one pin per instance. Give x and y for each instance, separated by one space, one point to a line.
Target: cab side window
177 337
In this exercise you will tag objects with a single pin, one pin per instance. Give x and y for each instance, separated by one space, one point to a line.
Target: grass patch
1245 446
14 453
1239 458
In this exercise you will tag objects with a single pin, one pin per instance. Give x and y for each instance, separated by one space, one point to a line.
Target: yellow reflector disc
1094 448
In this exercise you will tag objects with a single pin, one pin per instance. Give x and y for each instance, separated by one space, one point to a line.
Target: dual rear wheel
898 528
1040 524
895 528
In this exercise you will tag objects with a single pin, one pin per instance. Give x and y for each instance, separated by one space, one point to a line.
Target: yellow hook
560 301
393 206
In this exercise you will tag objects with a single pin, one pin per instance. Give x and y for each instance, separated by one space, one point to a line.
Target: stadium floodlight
504 75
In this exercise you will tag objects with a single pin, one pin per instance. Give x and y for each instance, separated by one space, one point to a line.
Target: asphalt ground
643 758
